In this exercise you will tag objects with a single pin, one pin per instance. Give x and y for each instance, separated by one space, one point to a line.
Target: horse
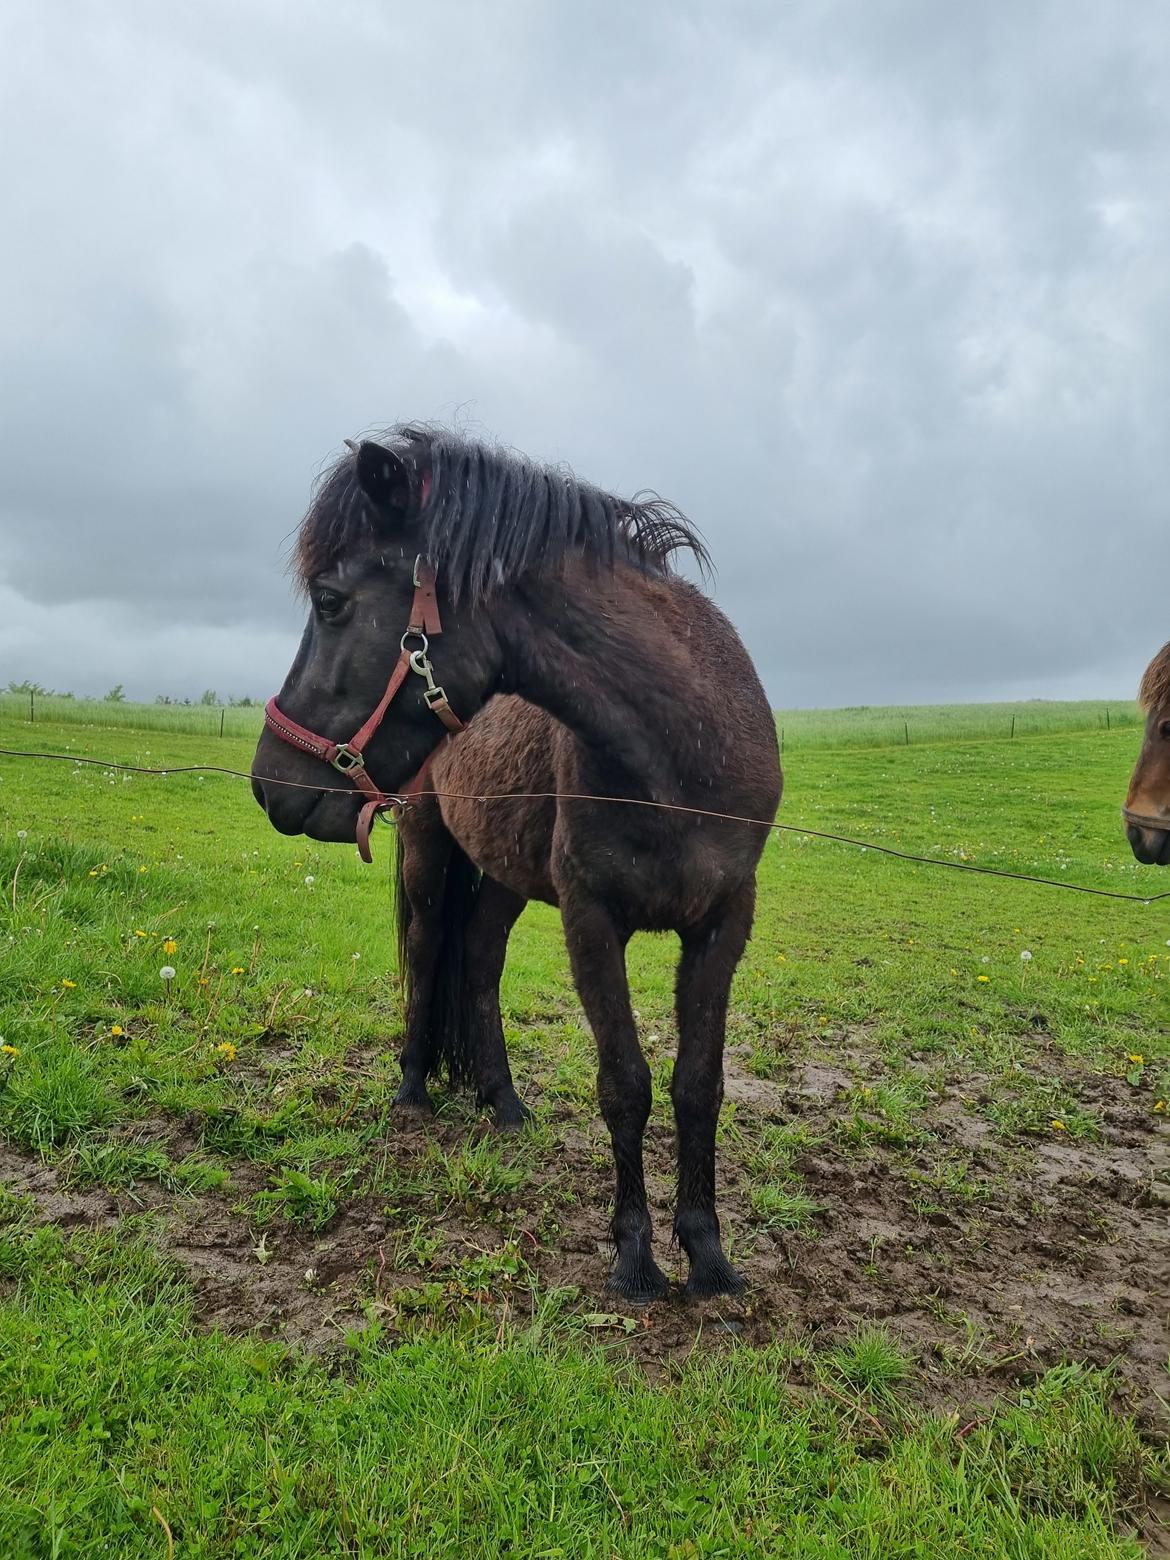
1147 805
598 711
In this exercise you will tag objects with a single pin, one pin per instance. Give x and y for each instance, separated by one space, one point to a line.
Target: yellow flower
93 872
1158 1104
170 945
9 1050
237 969
142 869
117 1031
227 1050
1137 1059
70 985
1059 1126
983 977
140 934
1123 961
203 981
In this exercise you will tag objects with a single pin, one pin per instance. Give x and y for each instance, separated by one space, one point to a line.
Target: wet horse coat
585 667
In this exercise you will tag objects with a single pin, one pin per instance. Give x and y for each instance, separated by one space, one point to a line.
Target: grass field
868 726
246 1310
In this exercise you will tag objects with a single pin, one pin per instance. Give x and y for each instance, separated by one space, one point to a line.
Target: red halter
348 757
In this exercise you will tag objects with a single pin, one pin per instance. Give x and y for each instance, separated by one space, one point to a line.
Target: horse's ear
384 478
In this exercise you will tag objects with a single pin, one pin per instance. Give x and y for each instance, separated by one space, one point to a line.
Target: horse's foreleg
597 948
709 956
496 911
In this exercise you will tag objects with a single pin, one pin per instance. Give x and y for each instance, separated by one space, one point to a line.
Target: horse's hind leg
710 954
597 947
496 911
425 848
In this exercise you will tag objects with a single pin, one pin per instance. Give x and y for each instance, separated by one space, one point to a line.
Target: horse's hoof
638 1280
413 1095
711 1275
511 1114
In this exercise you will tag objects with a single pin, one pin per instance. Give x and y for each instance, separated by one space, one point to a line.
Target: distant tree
163 698
36 690
116 695
209 696
243 704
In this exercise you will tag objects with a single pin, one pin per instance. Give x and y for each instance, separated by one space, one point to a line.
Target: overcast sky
878 292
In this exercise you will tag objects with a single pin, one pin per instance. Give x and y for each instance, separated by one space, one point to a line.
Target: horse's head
1147 806
358 563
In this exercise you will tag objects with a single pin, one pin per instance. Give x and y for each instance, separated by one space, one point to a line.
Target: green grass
451 1426
118 1418
864 726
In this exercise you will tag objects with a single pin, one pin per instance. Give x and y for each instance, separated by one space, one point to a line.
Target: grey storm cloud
878 291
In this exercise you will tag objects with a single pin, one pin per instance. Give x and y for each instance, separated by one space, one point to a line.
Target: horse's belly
496 782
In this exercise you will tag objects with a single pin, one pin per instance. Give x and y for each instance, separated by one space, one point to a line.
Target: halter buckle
347 759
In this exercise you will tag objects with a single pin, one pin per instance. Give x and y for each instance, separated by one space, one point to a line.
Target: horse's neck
609 657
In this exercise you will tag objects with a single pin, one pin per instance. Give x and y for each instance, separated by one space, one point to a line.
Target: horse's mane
1154 693
493 515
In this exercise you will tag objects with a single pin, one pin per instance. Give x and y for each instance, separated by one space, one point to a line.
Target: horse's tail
450 1016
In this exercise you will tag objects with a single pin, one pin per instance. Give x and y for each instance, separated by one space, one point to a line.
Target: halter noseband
348 758
1143 821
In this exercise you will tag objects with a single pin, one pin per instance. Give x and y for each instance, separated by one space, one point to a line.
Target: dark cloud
878 291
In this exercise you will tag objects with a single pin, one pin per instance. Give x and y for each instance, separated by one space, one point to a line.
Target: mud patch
990 1260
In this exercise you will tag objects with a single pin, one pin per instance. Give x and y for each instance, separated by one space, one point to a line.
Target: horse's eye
1164 728
329 603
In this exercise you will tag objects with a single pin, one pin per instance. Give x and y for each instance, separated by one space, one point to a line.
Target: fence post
1013 725
906 723
1107 725
222 713
32 708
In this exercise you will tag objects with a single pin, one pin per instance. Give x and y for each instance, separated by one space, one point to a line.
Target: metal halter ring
345 759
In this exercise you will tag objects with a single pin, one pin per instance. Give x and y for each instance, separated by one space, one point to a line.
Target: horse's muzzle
1151 846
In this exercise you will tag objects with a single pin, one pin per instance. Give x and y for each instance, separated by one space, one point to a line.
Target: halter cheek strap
348 758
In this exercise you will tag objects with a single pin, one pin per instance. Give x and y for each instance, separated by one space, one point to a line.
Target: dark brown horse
581 667
1147 806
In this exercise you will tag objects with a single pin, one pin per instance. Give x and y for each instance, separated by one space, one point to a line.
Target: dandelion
309 880
1058 1126
1123 961
1025 956
93 872
983 978
355 956
237 969
203 981
12 1050
1137 1059
1158 1104
142 869
117 1031
167 972
70 985
22 834
170 946
139 934
226 1050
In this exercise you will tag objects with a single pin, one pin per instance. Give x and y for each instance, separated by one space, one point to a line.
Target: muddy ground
1043 1251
